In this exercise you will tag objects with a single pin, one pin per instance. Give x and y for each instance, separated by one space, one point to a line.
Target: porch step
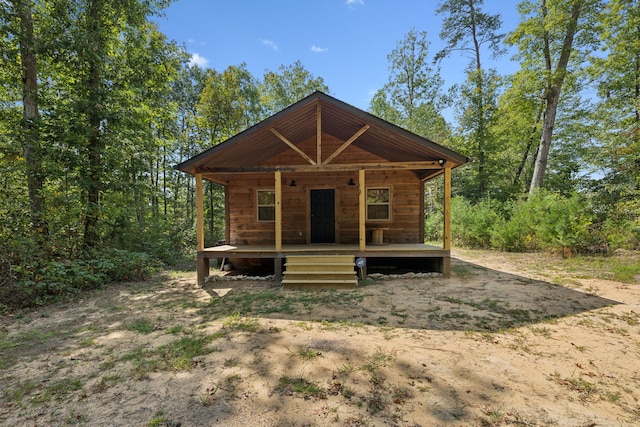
319 271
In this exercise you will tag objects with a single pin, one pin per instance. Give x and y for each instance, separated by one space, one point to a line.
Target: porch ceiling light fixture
292 183
351 182
442 162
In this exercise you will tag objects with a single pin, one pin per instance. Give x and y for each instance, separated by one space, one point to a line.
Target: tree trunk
31 141
94 117
545 140
554 88
525 156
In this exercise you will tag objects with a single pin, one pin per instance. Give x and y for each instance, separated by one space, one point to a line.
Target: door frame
335 216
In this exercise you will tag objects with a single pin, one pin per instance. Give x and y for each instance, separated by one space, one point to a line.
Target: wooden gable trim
333 167
258 139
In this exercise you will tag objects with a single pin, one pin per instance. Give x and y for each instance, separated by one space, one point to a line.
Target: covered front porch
439 256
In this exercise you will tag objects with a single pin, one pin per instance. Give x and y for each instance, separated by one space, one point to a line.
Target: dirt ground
509 339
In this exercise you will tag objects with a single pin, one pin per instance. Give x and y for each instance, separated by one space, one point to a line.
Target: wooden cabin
319 186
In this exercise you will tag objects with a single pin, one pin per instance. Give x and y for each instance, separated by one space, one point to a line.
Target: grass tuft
142 325
300 386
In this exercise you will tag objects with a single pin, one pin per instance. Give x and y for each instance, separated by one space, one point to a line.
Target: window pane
378 195
378 212
266 198
267 213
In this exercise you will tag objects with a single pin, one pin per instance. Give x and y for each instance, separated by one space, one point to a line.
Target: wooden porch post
277 261
362 210
199 214
278 176
422 212
446 244
202 263
227 223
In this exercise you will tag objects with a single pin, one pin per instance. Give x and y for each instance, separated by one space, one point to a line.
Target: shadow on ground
474 299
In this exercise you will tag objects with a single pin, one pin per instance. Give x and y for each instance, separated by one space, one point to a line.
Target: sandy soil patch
510 339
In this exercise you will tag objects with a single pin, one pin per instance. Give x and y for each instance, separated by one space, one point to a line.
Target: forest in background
97 106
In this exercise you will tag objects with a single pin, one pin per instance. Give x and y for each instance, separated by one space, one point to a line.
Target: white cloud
196 42
198 60
270 43
317 49
354 3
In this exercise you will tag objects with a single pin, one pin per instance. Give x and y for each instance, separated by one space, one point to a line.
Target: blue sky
346 42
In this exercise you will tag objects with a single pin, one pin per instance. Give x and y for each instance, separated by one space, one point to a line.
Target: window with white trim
378 204
266 205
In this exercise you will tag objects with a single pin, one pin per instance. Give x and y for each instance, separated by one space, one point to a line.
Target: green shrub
433 226
471 225
119 265
516 231
36 280
621 233
543 220
565 222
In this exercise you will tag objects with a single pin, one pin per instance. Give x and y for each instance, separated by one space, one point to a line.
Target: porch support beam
346 167
227 216
202 263
446 244
199 214
278 185
355 136
362 210
292 146
422 212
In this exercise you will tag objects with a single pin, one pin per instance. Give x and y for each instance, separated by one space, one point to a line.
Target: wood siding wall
244 229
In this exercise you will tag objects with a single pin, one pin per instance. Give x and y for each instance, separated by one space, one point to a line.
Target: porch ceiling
297 123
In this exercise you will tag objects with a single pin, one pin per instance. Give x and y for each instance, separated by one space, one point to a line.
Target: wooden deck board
268 251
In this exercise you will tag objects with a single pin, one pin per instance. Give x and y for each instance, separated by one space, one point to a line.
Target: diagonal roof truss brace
355 136
292 146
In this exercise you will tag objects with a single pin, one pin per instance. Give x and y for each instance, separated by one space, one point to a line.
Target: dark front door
323 220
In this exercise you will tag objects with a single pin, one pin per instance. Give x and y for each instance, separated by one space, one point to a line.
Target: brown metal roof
256 145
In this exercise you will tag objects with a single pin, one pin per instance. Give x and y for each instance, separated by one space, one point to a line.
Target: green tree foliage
288 86
476 116
227 103
189 141
466 28
18 31
552 38
413 96
617 117
516 131
103 128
